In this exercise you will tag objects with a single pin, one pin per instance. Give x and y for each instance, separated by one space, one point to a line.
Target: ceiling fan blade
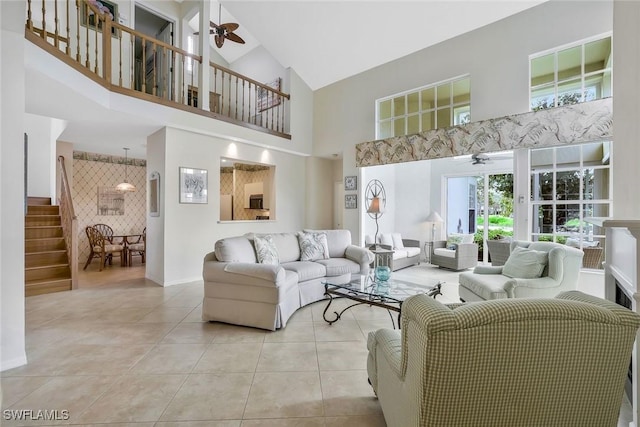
196 33
213 24
234 38
219 40
230 26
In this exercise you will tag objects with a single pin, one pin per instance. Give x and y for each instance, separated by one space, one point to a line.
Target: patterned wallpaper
571 124
226 181
241 178
91 171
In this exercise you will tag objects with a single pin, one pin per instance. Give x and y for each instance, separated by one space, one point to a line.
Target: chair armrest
438 244
211 256
488 269
466 249
411 243
389 343
244 273
362 256
518 288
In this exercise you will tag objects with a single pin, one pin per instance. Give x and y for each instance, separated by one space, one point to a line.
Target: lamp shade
374 207
125 186
434 217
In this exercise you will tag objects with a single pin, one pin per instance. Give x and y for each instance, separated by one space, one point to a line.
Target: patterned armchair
503 363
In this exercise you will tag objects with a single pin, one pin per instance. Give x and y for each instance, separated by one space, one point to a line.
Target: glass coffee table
365 290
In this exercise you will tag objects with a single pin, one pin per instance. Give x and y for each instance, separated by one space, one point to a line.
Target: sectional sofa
261 280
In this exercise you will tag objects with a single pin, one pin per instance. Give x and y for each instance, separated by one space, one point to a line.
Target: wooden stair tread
40 267
48 280
52 251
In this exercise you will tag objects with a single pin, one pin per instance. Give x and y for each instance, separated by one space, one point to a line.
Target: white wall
41 160
495 56
190 230
156 149
319 193
12 96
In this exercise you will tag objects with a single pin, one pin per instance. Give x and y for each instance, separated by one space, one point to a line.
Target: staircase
47 266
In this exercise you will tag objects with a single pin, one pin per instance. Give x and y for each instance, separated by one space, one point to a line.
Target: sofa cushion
449 253
412 251
397 241
266 250
235 249
337 241
306 270
400 253
313 246
339 266
286 244
386 239
525 263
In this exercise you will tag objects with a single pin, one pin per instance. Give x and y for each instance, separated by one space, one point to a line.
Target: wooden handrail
69 222
105 51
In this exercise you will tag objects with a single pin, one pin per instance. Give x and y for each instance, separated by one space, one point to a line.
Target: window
569 184
572 74
429 107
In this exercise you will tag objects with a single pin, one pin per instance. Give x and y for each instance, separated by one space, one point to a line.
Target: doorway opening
152 69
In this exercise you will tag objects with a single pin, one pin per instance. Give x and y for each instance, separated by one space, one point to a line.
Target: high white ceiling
327 41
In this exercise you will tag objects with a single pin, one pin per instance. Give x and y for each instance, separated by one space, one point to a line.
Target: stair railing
69 222
84 35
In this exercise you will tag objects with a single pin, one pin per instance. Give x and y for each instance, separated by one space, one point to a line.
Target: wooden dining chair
139 247
100 246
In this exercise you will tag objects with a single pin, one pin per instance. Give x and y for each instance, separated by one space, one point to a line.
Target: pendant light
125 186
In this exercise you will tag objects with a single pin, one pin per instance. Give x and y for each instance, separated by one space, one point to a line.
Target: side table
427 251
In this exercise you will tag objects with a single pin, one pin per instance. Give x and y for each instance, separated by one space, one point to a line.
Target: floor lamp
434 218
375 209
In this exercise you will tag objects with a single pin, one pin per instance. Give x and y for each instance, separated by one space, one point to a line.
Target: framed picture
267 99
110 201
88 16
350 183
351 201
154 194
193 185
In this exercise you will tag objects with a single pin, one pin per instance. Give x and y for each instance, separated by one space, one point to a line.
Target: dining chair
105 230
138 247
100 246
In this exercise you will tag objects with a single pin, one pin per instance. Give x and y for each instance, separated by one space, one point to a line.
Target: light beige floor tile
342 330
134 398
303 314
116 315
191 333
340 356
210 397
367 326
209 423
288 357
229 357
285 422
238 334
195 315
298 395
16 388
348 393
170 359
119 425
127 333
373 420
71 393
372 312
189 301
293 332
167 314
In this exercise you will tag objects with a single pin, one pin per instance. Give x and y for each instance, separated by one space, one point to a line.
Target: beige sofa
240 290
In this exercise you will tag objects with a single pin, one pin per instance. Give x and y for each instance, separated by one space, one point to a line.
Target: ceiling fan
223 31
484 158
480 159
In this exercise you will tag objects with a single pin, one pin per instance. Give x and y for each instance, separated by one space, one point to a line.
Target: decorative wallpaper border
105 158
571 124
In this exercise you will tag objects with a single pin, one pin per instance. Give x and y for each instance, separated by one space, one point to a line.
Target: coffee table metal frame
365 290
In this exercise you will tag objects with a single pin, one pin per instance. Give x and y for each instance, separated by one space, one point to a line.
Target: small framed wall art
350 183
351 201
154 194
193 185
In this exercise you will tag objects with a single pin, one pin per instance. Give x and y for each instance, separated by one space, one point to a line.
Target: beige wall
87 177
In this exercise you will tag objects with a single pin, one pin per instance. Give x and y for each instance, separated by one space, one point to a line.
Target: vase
382 273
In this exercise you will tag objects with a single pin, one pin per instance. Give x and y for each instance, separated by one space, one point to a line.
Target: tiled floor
124 351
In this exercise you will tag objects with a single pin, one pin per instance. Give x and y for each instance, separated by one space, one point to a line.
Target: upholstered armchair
456 253
515 362
533 269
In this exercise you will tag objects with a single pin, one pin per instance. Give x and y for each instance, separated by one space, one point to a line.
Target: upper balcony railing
134 64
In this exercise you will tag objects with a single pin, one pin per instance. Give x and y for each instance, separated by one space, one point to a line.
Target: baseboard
13 363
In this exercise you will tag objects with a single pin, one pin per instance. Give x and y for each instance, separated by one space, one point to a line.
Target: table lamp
376 209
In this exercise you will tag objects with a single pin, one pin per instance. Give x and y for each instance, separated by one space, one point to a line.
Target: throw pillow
313 246
266 250
397 241
524 263
453 247
454 239
386 239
